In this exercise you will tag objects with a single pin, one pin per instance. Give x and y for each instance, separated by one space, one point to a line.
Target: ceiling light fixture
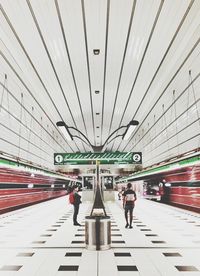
65 130
96 51
130 128
125 136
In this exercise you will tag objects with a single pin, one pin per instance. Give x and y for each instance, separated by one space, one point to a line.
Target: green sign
103 157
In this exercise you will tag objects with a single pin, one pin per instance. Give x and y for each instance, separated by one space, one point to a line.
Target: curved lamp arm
112 135
106 141
115 138
82 135
78 137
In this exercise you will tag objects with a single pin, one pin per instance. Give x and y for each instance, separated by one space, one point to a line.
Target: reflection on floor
41 240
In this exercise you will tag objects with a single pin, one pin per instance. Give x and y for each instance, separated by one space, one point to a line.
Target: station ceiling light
125 136
130 129
65 130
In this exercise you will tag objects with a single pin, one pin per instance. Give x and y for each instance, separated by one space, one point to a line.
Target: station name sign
87 158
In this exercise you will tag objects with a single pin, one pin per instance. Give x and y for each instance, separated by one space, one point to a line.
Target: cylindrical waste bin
97 232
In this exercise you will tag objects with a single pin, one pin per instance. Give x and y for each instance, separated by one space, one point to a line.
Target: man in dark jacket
77 201
129 198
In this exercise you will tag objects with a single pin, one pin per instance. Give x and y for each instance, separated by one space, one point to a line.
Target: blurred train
152 190
180 194
24 184
184 194
175 181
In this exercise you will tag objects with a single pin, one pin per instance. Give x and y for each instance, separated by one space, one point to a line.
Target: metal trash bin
98 232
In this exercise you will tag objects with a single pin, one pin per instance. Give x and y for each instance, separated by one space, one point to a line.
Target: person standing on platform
120 193
75 199
129 198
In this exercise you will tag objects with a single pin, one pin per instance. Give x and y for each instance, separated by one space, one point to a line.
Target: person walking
75 200
129 198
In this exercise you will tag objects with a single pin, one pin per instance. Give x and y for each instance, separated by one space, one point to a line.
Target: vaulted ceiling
147 69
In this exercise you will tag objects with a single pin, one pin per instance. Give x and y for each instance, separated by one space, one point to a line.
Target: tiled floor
40 240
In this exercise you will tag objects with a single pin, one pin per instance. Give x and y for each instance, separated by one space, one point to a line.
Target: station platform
41 240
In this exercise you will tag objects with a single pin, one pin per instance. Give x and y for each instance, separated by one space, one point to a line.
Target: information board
103 157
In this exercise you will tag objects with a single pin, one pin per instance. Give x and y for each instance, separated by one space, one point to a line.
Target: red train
182 187
22 185
19 198
181 194
175 181
186 196
152 190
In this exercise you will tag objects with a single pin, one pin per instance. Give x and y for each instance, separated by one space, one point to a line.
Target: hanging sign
103 157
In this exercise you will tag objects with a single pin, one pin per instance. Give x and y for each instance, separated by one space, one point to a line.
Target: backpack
71 198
